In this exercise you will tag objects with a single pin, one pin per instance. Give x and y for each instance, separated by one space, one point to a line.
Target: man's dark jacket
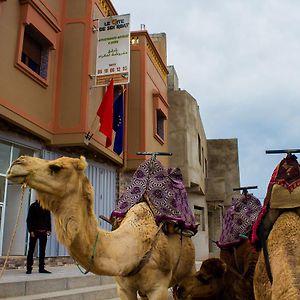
38 219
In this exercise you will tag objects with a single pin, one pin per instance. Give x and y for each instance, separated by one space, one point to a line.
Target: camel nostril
19 161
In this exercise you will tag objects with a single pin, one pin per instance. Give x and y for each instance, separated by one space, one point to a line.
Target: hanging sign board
113 50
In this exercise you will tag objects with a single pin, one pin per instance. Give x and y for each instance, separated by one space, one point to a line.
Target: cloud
240 60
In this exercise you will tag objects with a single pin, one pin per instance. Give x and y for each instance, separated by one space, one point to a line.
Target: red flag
105 113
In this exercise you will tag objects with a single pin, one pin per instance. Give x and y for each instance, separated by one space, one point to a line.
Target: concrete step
63 283
102 292
18 284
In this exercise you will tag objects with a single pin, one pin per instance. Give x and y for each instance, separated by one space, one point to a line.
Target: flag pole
88 135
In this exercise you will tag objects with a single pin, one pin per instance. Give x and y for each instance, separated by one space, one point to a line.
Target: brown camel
64 189
225 278
284 255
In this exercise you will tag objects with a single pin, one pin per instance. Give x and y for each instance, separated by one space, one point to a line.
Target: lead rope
91 261
23 187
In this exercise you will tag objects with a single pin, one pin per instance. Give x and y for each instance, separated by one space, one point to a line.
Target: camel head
54 180
207 283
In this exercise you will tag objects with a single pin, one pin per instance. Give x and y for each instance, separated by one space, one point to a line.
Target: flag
118 121
105 113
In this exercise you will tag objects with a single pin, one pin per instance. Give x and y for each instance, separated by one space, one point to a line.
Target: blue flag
118 123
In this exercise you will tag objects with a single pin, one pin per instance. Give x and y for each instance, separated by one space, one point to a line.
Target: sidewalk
16 275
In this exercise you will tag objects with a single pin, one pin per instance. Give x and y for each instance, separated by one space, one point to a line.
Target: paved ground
57 272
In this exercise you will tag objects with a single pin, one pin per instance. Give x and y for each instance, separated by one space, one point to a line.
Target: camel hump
166 193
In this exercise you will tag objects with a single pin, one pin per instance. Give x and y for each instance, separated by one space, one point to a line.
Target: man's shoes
44 271
28 272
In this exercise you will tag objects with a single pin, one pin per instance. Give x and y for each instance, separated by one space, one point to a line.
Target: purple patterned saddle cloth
239 219
166 192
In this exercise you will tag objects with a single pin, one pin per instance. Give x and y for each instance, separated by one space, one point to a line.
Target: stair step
23 285
102 292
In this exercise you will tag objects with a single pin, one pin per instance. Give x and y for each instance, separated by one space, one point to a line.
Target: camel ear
212 267
220 269
82 163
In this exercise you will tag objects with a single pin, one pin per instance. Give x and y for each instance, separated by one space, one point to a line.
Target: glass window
160 119
35 51
19 151
4 157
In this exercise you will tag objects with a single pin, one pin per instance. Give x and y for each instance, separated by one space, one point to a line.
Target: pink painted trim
35 76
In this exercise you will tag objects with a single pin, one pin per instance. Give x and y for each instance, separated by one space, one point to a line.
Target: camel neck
78 233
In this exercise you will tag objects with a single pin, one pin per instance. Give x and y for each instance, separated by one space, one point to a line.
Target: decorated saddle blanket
238 219
283 191
166 192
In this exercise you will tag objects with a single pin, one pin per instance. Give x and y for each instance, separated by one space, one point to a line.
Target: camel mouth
16 178
17 173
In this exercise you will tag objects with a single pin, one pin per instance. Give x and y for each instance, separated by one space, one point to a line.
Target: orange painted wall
62 108
145 79
19 93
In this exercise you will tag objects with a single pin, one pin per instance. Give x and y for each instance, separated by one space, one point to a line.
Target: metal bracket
154 154
245 188
288 151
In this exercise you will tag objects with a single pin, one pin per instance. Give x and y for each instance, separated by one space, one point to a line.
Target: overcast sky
240 59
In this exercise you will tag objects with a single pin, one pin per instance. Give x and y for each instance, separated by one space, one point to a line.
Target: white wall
201 238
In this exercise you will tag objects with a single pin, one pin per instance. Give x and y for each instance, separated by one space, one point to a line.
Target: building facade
187 142
223 176
210 168
48 103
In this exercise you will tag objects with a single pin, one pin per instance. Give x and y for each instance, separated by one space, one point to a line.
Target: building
223 176
210 168
48 105
48 102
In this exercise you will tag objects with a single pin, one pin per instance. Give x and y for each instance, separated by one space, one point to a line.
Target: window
199 216
37 36
160 115
202 150
206 168
35 51
160 121
199 150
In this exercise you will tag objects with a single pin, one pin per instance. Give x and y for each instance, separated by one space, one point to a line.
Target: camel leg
126 294
159 294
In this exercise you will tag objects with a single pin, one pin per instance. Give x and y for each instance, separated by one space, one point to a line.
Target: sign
113 50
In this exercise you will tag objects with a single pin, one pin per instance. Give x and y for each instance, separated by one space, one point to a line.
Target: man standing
39 227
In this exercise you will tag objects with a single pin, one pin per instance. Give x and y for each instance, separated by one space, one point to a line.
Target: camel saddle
238 220
283 193
165 193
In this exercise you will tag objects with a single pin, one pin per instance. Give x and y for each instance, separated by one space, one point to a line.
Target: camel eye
55 168
203 279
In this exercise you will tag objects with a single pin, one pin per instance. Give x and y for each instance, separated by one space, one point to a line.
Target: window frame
159 106
199 211
44 53
47 27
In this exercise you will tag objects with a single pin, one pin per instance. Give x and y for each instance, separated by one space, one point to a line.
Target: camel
284 255
277 232
141 257
231 276
226 278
